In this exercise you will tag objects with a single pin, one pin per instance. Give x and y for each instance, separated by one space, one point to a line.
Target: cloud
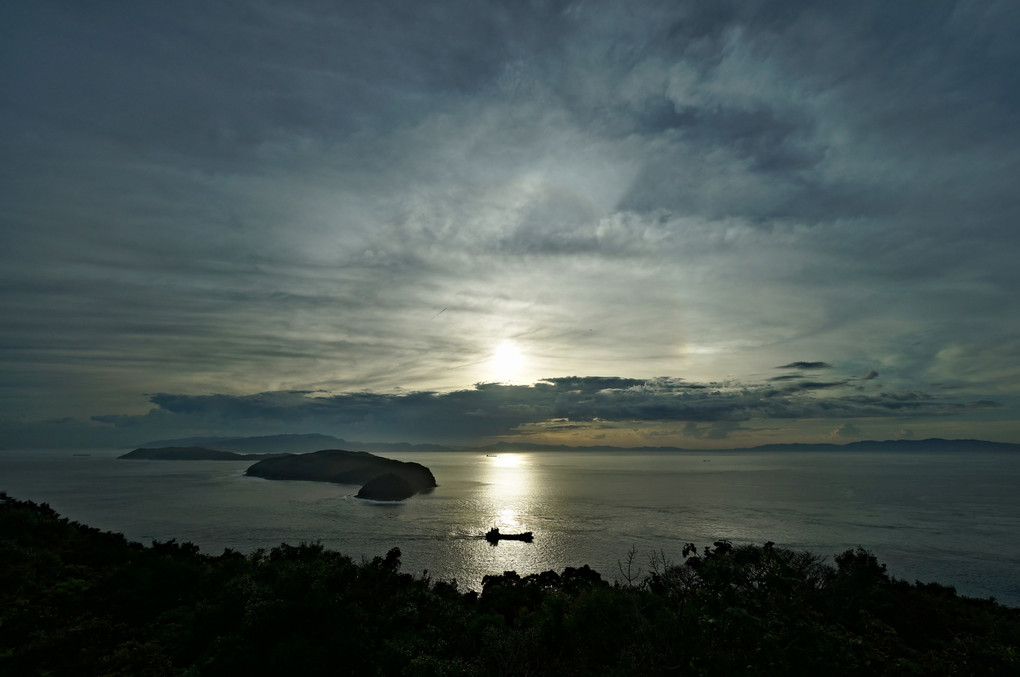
719 430
816 385
701 411
193 206
806 365
846 430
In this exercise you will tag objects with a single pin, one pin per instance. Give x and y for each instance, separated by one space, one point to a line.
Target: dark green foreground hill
77 601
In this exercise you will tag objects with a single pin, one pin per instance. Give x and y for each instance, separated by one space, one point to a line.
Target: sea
948 517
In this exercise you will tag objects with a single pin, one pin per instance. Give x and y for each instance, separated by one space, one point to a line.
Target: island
384 479
260 444
388 487
189 454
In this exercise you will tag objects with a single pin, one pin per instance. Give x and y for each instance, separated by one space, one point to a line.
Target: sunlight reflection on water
509 500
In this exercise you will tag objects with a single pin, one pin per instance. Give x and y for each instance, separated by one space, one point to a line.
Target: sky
695 224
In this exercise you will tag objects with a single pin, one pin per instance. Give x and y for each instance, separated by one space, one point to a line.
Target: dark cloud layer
487 410
806 365
291 198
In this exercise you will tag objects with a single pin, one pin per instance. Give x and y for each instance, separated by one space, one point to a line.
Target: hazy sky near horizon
689 223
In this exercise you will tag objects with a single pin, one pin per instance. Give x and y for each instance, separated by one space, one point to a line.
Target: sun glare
507 460
506 361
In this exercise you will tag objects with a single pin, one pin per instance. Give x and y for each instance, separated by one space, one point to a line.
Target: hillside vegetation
77 601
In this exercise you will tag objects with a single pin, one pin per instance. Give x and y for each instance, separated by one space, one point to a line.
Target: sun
506 361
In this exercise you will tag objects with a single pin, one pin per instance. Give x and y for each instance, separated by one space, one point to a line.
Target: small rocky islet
382 479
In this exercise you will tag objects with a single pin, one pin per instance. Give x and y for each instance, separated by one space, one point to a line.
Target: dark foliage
77 601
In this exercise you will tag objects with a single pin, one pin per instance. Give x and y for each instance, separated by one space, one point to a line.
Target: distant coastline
930 444
189 454
302 443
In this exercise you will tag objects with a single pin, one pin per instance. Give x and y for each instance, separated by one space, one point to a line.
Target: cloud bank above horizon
764 220
571 410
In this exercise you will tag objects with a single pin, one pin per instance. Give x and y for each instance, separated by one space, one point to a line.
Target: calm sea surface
947 517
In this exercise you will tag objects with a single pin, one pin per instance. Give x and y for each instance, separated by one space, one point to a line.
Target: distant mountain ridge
263 444
190 454
298 443
308 442
930 444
